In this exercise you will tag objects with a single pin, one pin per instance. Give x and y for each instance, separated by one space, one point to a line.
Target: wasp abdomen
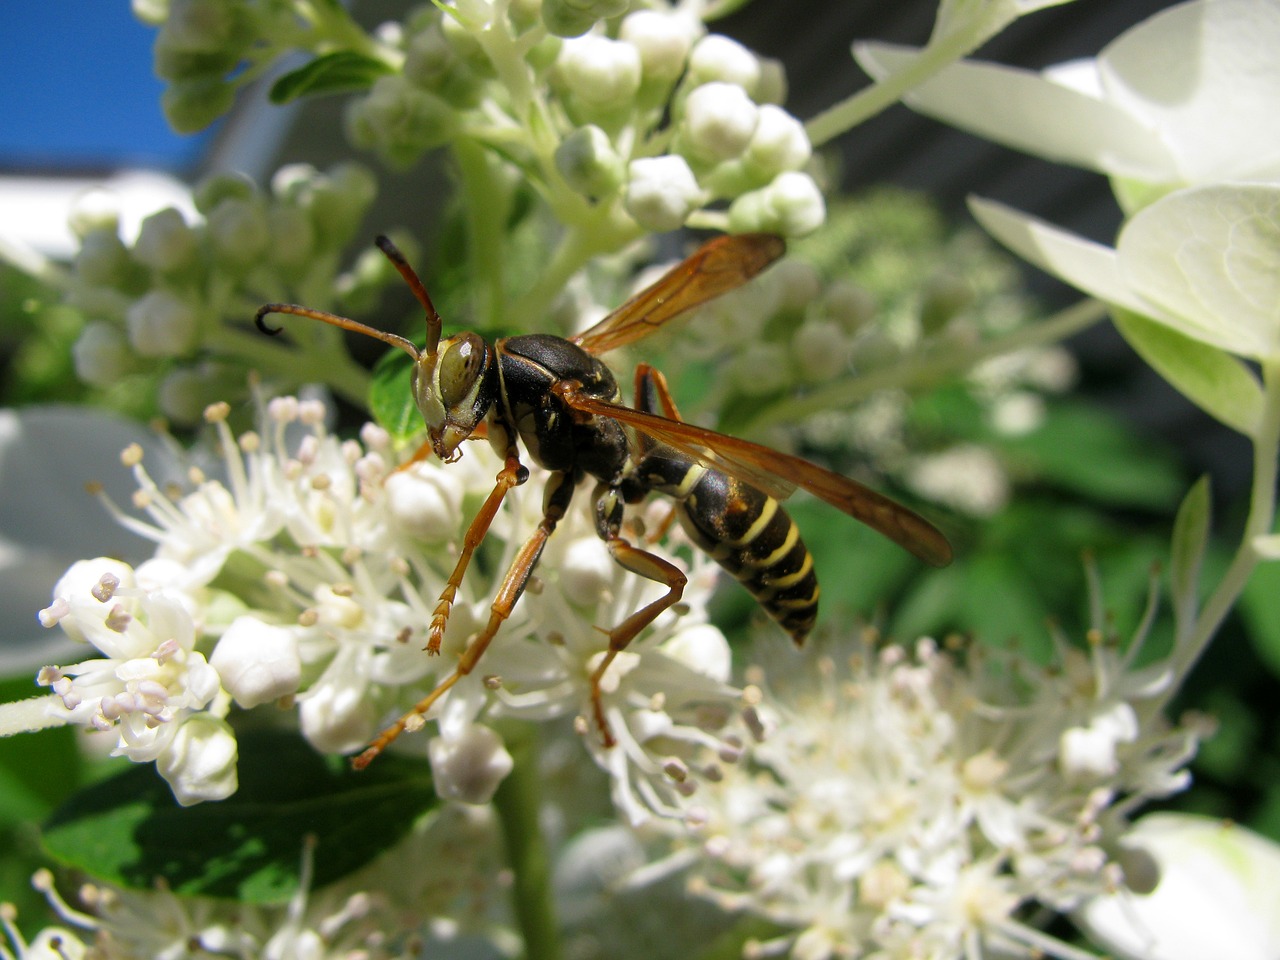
749 534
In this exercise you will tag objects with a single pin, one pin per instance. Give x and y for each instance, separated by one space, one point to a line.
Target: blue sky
79 93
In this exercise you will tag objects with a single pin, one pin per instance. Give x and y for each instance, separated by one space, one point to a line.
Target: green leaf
1212 379
1261 612
391 396
339 72
1190 535
129 830
1085 450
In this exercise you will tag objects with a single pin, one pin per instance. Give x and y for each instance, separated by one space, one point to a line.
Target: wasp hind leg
559 492
609 508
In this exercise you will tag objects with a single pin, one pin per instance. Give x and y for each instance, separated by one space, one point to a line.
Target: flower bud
589 164
200 761
238 232
257 662
601 74
95 210
100 355
425 502
663 40
204 25
470 766
704 649
716 57
191 105
820 349
791 205
162 324
778 143
661 192
572 18
293 237
760 368
214 189
102 260
398 120
337 716
165 243
718 123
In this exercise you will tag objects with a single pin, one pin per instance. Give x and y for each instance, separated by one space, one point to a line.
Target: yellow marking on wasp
790 579
788 544
758 525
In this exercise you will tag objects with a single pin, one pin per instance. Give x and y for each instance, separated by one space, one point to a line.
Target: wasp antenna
434 324
333 320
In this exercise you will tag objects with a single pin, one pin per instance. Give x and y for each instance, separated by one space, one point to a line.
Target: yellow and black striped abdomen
749 534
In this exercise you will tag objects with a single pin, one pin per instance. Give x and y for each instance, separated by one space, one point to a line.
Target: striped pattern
749 534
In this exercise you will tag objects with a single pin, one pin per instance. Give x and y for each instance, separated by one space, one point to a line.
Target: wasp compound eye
461 363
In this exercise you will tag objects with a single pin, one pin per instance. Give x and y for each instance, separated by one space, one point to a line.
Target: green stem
518 803
1262 509
486 200
869 101
928 368
334 368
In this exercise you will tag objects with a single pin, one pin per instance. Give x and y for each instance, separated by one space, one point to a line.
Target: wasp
555 397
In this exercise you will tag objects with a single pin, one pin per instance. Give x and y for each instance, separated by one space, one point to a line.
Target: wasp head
454 387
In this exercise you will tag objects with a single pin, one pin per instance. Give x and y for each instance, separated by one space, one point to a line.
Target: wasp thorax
454 391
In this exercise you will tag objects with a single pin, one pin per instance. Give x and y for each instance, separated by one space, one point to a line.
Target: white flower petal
1216 896
200 760
1209 255
1207 74
1030 112
469 767
257 662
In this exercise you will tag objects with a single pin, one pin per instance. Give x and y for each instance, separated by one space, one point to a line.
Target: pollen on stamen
276 579
217 412
195 476
94 488
311 412
249 442
105 588
308 618
141 499
118 619
321 482
492 682
131 455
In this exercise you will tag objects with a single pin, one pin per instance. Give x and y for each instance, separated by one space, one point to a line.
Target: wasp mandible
557 398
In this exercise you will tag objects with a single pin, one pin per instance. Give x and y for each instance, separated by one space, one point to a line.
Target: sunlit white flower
912 803
1214 893
661 192
1148 108
1197 261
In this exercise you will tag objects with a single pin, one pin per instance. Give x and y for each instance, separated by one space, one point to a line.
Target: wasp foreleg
650 566
559 492
511 475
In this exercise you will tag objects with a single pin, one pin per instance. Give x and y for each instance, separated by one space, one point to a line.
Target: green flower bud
212 190
663 40
661 192
820 349
716 57
166 243
100 355
599 75
399 121
191 105
791 205
102 260
719 121
162 324
573 18
292 237
204 25
589 164
238 232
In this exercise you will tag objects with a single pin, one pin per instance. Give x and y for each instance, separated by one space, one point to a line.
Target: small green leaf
339 72
391 396
1212 379
1190 534
129 830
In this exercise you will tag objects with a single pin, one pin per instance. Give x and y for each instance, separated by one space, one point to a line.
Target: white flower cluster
373 913
645 118
913 804
170 304
308 575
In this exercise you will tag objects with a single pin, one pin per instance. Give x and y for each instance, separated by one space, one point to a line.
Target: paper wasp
557 398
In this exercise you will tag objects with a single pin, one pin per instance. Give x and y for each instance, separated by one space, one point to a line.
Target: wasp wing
779 474
715 268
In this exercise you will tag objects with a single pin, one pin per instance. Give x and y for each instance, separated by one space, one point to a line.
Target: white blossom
661 192
909 803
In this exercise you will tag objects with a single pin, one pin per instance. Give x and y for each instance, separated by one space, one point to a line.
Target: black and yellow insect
557 398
